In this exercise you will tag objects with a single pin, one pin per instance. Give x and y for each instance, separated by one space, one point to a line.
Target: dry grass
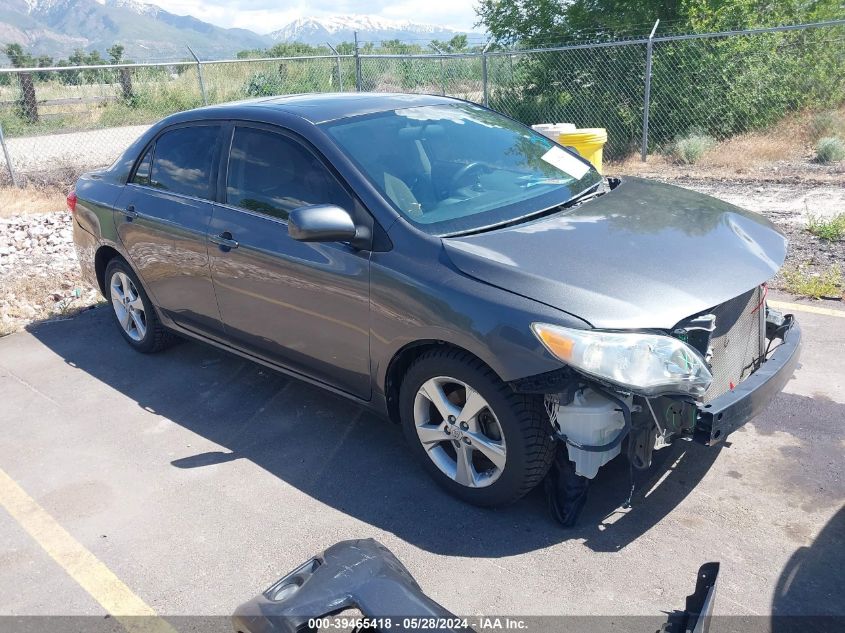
30 199
31 298
784 149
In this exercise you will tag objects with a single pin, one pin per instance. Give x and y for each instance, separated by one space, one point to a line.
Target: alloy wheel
459 431
128 306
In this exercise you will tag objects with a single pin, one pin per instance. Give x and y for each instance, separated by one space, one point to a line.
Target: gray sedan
450 268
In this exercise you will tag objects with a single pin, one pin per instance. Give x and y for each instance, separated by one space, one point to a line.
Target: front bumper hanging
721 416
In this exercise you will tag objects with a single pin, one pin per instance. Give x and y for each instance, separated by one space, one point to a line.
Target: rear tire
133 312
496 446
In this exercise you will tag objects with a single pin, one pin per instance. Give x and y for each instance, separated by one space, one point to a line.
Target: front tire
475 436
132 309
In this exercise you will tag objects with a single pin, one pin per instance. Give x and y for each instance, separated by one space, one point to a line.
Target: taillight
71 202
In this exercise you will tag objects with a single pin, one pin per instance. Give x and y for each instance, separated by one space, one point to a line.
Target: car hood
645 255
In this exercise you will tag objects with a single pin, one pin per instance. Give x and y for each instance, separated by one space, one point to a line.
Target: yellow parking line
80 564
800 307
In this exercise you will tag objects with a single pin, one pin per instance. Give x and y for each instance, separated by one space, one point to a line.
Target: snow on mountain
141 8
341 28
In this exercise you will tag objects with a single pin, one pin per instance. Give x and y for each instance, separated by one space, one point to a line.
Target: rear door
162 218
304 306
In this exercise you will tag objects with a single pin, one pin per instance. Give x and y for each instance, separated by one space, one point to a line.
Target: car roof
323 107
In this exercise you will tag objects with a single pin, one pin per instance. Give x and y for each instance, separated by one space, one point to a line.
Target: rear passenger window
142 174
184 161
272 174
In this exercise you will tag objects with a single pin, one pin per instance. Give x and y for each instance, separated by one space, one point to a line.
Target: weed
830 150
827 228
689 149
818 285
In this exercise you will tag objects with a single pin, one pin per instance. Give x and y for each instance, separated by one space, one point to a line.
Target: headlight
649 364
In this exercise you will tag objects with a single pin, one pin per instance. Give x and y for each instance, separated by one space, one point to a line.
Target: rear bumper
720 417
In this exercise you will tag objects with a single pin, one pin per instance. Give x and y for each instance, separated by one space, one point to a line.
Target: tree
719 86
18 57
115 53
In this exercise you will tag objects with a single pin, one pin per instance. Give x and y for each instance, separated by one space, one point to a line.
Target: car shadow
348 457
809 593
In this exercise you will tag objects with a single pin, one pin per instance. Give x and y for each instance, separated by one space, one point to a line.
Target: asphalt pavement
196 478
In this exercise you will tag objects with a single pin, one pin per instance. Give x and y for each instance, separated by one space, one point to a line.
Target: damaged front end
701 380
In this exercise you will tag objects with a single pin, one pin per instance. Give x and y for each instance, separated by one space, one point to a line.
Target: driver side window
272 174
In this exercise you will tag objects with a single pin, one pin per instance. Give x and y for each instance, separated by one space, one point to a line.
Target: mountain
341 28
148 32
57 27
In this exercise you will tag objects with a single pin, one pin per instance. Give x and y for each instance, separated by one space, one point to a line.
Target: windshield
455 168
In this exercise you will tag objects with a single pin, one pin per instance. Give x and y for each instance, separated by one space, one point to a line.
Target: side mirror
321 223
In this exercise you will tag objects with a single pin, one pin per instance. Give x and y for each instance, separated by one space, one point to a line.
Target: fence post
357 65
8 160
199 75
28 102
125 79
339 72
647 97
442 74
485 100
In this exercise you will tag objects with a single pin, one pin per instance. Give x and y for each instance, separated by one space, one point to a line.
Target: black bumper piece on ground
361 574
723 415
365 575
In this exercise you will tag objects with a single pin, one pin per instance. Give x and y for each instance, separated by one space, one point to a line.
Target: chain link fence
645 92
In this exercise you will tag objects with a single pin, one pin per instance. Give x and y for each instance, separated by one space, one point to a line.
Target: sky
263 16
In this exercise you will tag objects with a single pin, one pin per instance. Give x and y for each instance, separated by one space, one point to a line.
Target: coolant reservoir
593 420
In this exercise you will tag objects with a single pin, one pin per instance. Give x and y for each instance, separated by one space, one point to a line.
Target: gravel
39 272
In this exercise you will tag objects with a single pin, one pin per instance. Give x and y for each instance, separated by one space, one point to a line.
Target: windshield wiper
593 191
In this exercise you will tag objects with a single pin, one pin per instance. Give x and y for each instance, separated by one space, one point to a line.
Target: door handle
224 240
130 213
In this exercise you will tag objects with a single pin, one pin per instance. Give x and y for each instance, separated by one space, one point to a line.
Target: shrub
263 85
827 228
825 124
817 285
689 149
830 150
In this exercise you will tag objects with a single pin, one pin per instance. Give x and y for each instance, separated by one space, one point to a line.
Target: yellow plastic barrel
588 141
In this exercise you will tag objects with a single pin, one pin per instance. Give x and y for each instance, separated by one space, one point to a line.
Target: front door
162 219
301 305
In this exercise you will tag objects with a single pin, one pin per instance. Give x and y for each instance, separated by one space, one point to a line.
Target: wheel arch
102 258
402 360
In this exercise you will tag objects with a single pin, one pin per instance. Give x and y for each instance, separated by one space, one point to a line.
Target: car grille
738 343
